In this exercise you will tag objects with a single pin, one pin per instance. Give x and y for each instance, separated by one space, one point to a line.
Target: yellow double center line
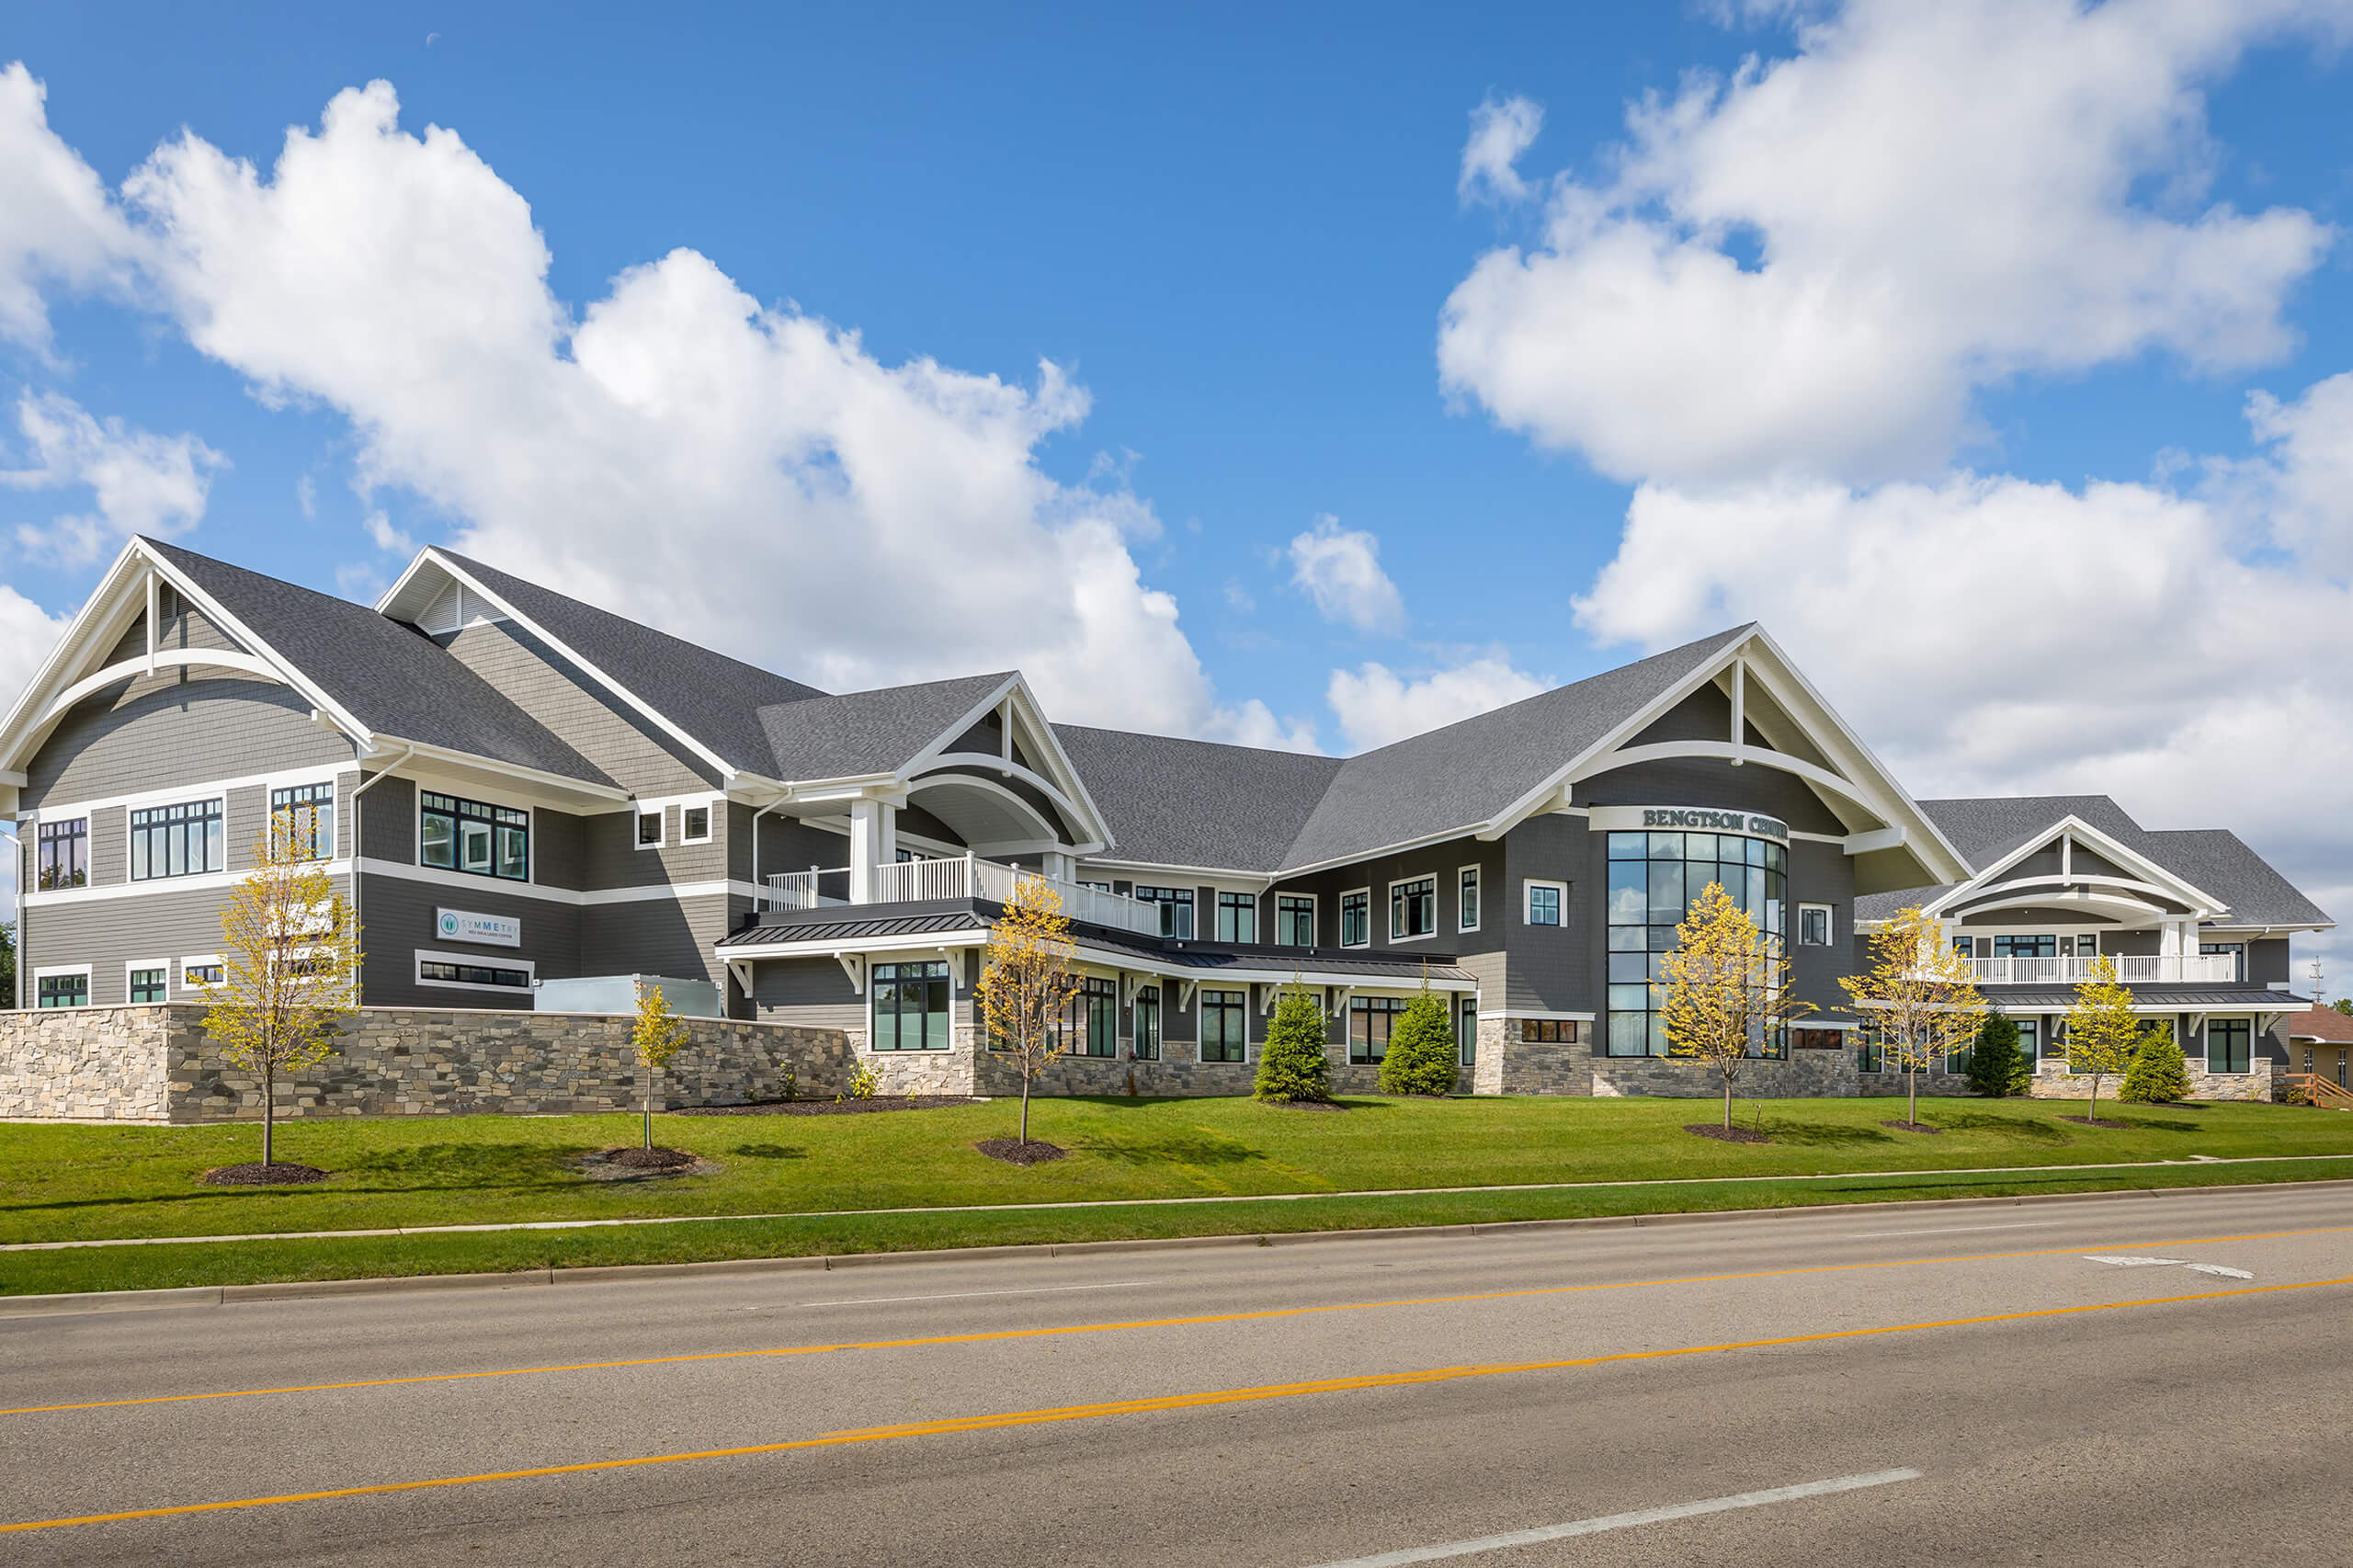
1138 1407
984 1336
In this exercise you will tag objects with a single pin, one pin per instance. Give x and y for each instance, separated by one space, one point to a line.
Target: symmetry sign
488 930
1704 819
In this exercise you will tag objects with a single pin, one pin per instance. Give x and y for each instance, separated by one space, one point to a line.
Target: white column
1055 864
866 828
888 846
1739 710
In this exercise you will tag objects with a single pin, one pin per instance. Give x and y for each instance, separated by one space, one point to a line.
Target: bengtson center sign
1698 819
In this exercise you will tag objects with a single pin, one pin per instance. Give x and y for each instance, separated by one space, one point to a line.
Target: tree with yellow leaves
1921 994
290 963
2102 1030
1726 990
1027 983
657 1034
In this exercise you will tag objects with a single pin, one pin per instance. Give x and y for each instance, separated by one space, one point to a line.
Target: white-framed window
2229 1045
1466 882
1356 918
694 825
146 982
1544 904
64 854
472 972
63 985
183 839
1175 910
649 829
474 836
1295 920
1813 925
1413 909
1224 1021
202 971
1237 918
308 813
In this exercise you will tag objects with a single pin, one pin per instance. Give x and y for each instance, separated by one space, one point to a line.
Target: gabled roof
1174 802
712 699
2324 1026
394 679
861 733
1471 772
2220 861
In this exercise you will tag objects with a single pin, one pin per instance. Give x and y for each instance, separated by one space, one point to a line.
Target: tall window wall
1654 877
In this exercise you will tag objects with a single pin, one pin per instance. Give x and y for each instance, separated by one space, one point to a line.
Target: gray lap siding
110 934
398 917
159 734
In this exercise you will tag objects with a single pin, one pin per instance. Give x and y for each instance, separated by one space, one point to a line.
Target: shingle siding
655 936
1712 782
1549 968
175 729
638 756
110 933
398 915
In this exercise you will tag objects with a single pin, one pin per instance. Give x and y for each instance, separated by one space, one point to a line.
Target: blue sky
1238 230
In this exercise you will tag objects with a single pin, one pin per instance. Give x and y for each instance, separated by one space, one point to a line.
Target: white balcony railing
2141 969
924 882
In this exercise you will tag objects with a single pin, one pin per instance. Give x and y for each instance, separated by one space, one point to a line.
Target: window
649 830
1544 903
1413 909
1466 1033
2042 946
479 840
694 826
1370 1020
1818 1039
1223 1023
1654 878
307 811
2029 1033
1549 1031
1098 887
1175 910
183 840
1466 914
1814 924
1237 918
910 1007
451 971
1867 1051
2229 1045
2084 946
1148 1024
1965 946
149 984
64 854
207 970
1091 1026
2205 950
1356 918
1295 920
65 990
1958 1060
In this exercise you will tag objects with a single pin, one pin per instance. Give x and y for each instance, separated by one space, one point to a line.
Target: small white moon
429 38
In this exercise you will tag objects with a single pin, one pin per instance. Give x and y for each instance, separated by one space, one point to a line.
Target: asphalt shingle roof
391 677
1173 802
867 731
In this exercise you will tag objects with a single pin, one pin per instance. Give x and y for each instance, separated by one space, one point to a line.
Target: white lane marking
2127 1260
1955 1230
964 1295
2220 1269
1623 1521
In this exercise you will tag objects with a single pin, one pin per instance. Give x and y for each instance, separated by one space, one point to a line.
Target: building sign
489 930
1704 819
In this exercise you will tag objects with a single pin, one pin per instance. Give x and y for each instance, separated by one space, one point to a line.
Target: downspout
359 985
782 795
24 868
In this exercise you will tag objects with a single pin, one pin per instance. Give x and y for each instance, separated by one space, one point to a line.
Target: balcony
926 882
2131 968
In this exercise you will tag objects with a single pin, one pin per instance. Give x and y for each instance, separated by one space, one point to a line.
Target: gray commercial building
516 787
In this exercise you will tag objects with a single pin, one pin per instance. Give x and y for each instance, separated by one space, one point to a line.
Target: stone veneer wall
963 1071
2054 1082
155 1064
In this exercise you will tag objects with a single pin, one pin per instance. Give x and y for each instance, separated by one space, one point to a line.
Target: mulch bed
1305 1105
1724 1134
833 1107
1013 1152
635 1164
2097 1122
1911 1127
279 1173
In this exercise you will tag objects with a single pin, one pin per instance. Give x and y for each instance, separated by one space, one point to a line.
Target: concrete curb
92 1301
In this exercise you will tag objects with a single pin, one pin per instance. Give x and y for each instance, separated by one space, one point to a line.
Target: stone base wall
156 1065
1178 1071
2054 1082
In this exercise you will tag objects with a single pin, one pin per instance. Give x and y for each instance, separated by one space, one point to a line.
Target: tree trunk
1912 1096
2092 1113
268 1109
1727 1102
1025 1102
649 1108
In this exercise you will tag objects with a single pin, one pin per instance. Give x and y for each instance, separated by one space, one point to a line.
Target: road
1985 1390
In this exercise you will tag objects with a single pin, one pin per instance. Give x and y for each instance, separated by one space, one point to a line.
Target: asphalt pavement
2114 1380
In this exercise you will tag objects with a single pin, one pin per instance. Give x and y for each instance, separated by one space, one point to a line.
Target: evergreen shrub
2159 1075
1421 1059
1292 1064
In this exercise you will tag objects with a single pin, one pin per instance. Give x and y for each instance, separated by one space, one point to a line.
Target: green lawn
60 1182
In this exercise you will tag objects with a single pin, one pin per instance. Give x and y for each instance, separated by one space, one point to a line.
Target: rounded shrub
1995 1065
1421 1059
1292 1064
2159 1075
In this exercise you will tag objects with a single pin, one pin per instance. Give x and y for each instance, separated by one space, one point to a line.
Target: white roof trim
2202 904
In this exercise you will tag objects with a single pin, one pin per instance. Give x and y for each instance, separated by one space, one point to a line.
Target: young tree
2344 1005
1921 995
2159 1074
1727 989
1995 1066
1421 1055
658 1034
290 965
2102 1030
1027 984
1292 1064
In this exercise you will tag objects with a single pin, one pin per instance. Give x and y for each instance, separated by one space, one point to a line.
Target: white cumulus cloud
746 474
1341 570
1500 132
1375 705
138 482
56 224
1808 268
